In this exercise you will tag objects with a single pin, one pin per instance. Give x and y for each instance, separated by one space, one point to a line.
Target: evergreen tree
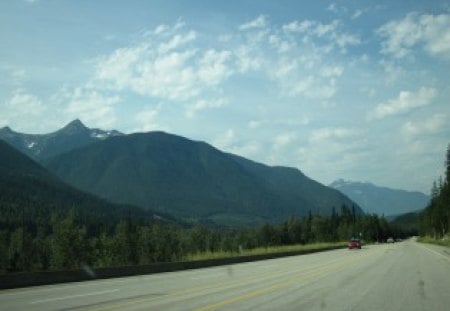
124 247
69 245
145 246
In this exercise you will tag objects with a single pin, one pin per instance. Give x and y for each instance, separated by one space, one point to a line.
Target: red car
354 243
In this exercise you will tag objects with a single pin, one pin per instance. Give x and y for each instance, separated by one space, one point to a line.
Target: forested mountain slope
192 180
29 194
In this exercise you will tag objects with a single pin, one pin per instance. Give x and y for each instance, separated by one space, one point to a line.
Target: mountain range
42 146
170 174
192 180
382 200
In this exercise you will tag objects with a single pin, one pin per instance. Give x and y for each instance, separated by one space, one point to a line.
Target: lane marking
314 275
262 291
74 296
297 279
435 252
211 276
311 273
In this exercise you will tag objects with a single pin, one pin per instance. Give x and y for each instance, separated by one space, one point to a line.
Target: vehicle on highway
354 243
390 240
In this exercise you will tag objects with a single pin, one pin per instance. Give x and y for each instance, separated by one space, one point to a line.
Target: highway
401 276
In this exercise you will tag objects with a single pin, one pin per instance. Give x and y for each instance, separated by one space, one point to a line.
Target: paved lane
401 276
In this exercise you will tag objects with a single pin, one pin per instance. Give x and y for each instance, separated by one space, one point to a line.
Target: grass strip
262 251
430 240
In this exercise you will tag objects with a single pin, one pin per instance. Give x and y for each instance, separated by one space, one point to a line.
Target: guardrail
24 279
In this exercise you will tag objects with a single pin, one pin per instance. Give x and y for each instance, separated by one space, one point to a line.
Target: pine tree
69 245
447 164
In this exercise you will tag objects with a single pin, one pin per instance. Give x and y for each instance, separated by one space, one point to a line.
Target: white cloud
160 29
167 66
430 31
168 70
259 22
117 68
91 106
344 39
248 149
392 71
333 152
24 103
432 125
282 46
148 120
357 14
297 79
333 133
169 76
22 109
331 32
203 104
213 67
225 140
332 71
247 60
332 7
405 102
282 140
141 70
285 123
176 41
322 29
297 26
15 74
371 9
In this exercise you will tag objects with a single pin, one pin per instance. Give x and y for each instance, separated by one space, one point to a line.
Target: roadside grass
263 251
427 239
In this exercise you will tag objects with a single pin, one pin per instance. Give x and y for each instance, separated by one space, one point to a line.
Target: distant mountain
192 180
381 200
29 192
41 146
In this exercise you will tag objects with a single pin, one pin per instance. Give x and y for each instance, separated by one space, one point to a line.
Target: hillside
29 193
408 222
381 200
41 146
192 180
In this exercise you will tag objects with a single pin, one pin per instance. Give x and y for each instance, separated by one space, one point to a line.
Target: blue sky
339 89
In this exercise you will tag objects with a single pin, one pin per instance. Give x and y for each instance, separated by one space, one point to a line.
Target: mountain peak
39 146
76 123
339 183
380 199
6 129
75 126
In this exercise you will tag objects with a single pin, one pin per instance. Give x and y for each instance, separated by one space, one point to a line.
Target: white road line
74 296
437 253
209 276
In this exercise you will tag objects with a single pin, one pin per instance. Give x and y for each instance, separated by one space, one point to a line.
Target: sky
358 90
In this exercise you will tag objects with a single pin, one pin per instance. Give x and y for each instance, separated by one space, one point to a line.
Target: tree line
69 242
435 219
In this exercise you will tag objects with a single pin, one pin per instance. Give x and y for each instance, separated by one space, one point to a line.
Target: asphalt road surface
402 276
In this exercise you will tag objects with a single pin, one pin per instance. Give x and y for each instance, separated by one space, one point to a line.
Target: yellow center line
214 288
293 280
259 292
